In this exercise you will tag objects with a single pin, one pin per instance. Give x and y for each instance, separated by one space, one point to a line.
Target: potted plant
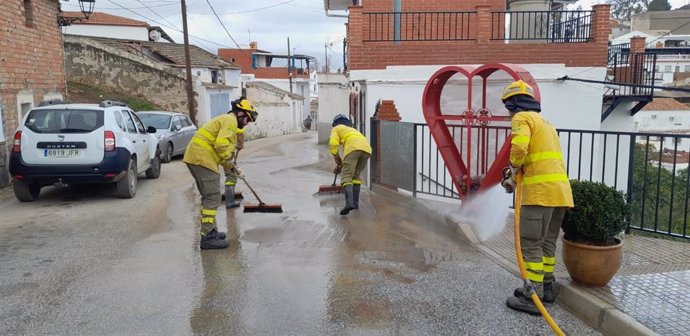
591 252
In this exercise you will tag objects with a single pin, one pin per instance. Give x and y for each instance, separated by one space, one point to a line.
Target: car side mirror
151 129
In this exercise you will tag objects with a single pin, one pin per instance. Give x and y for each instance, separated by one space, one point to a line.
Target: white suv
61 143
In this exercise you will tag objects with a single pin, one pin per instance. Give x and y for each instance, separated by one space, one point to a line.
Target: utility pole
325 51
188 65
289 65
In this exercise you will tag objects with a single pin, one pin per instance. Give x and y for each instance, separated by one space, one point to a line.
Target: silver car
173 130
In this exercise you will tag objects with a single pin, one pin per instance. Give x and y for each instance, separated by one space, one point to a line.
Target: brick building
33 71
272 68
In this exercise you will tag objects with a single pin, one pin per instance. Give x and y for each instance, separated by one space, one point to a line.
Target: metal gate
220 104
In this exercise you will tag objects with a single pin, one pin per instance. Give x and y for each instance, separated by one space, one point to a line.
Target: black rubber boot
349 200
230 201
355 196
549 293
522 304
211 243
217 234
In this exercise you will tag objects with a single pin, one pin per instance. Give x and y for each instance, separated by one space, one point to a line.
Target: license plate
62 153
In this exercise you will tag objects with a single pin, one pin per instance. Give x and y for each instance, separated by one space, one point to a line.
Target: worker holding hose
214 144
535 152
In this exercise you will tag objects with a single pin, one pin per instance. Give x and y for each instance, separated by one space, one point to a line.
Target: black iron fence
420 26
547 26
652 168
633 73
617 49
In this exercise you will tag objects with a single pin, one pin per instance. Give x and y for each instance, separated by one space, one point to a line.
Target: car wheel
127 186
168 153
155 170
25 192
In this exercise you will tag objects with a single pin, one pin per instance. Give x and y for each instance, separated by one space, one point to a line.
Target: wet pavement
99 265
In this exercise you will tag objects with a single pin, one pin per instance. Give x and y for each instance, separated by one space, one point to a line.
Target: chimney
252 45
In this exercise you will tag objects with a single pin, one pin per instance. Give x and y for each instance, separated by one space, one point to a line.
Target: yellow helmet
246 106
517 88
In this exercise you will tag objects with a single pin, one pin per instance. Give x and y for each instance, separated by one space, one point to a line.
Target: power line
153 6
226 30
646 43
164 25
252 10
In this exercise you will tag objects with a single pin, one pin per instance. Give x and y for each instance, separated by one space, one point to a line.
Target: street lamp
86 7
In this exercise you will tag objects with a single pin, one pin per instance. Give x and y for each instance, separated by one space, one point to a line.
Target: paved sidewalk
649 295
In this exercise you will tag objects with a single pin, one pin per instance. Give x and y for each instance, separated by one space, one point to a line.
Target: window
677 68
64 121
671 118
128 121
214 76
119 121
686 68
653 116
668 68
177 123
198 73
140 125
186 122
28 14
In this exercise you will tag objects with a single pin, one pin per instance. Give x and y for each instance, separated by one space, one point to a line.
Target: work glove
509 185
338 160
338 169
514 170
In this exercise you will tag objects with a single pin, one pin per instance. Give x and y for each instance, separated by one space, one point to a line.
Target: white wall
120 32
299 86
662 121
278 114
334 98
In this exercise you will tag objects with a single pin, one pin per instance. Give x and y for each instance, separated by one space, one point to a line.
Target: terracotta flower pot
592 265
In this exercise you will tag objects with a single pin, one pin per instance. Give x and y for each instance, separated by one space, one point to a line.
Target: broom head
263 207
331 189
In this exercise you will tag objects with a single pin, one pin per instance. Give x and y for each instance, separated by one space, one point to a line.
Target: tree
625 9
659 6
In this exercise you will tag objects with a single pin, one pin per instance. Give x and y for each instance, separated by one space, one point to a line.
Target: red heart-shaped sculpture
473 167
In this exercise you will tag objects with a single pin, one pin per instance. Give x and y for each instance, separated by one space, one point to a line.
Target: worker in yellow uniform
214 144
535 151
231 174
356 152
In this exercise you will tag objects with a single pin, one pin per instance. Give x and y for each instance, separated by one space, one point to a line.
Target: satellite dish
154 35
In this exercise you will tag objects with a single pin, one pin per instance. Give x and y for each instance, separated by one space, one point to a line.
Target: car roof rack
109 103
52 102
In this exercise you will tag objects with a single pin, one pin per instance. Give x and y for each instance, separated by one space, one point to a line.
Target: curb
595 312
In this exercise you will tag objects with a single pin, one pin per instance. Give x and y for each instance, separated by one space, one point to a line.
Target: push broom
331 189
261 207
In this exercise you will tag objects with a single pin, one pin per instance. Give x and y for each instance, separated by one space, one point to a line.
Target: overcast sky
268 22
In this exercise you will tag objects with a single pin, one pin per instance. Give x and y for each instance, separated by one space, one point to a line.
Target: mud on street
81 261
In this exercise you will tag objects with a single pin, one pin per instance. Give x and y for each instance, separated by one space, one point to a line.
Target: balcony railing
636 70
420 26
545 26
653 169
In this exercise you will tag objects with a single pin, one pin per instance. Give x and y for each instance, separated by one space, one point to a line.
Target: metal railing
652 168
635 70
617 49
420 26
546 26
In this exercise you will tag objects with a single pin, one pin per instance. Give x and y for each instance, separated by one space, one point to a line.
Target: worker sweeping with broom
356 152
535 152
214 144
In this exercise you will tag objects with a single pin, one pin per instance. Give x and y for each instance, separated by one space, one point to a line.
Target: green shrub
600 213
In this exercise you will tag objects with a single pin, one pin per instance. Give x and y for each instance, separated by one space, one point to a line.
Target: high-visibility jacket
350 138
213 143
536 147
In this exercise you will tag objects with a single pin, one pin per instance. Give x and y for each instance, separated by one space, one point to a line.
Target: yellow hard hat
246 106
517 88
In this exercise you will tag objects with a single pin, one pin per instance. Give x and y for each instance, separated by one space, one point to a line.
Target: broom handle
252 189
334 179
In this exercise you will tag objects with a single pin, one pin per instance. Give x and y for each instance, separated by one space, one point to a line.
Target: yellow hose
521 264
